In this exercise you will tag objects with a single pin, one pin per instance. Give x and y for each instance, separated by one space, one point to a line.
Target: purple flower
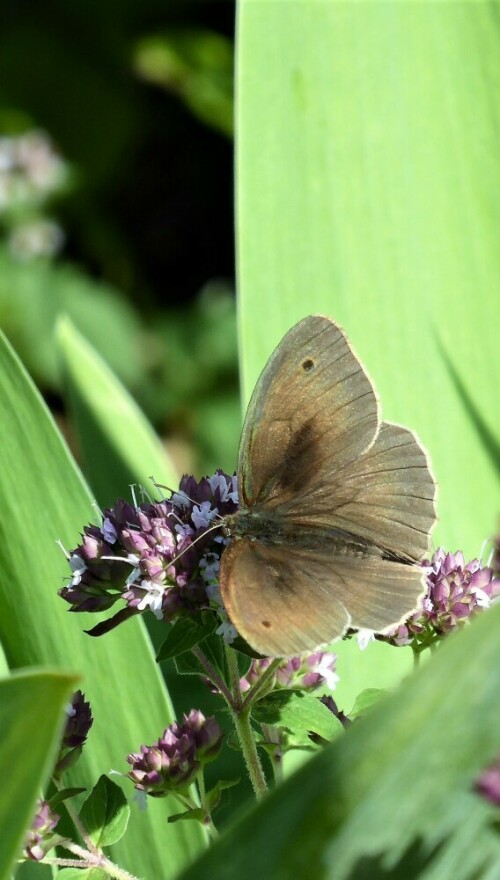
173 762
306 673
39 838
456 591
488 783
162 555
78 724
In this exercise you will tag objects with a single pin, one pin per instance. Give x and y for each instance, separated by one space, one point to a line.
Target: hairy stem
241 720
213 675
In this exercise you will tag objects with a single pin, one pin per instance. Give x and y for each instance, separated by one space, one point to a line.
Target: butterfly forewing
313 408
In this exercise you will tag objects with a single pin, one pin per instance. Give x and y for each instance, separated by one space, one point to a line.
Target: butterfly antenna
203 534
173 491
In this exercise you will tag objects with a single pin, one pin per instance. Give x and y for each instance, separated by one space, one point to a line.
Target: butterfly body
269 527
336 505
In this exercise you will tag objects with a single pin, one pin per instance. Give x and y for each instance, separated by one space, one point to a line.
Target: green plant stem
234 677
241 719
209 825
272 735
75 818
90 860
249 749
212 674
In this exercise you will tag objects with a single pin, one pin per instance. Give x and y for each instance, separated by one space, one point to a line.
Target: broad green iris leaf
395 790
367 166
118 445
31 720
45 499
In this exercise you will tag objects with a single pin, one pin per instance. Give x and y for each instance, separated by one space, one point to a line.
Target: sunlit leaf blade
119 446
298 712
398 782
43 499
367 167
105 813
29 701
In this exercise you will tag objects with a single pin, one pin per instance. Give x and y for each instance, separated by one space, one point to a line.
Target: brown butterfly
336 506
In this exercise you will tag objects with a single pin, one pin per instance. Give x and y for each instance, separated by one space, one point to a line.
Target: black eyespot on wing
266 624
307 365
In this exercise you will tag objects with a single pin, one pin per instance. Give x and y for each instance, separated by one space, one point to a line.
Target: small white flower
78 567
482 598
109 531
180 499
203 514
324 667
364 637
153 598
134 574
183 531
227 631
209 567
228 491
221 539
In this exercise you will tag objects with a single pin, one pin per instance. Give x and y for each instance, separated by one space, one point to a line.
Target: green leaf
43 499
212 648
188 664
105 813
365 700
184 634
195 813
367 156
60 796
298 712
29 701
214 795
397 786
119 446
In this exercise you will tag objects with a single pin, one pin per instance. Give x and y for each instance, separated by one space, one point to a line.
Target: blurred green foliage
196 65
116 206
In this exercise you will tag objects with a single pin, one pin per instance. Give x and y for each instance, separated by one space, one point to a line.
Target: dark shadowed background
116 204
